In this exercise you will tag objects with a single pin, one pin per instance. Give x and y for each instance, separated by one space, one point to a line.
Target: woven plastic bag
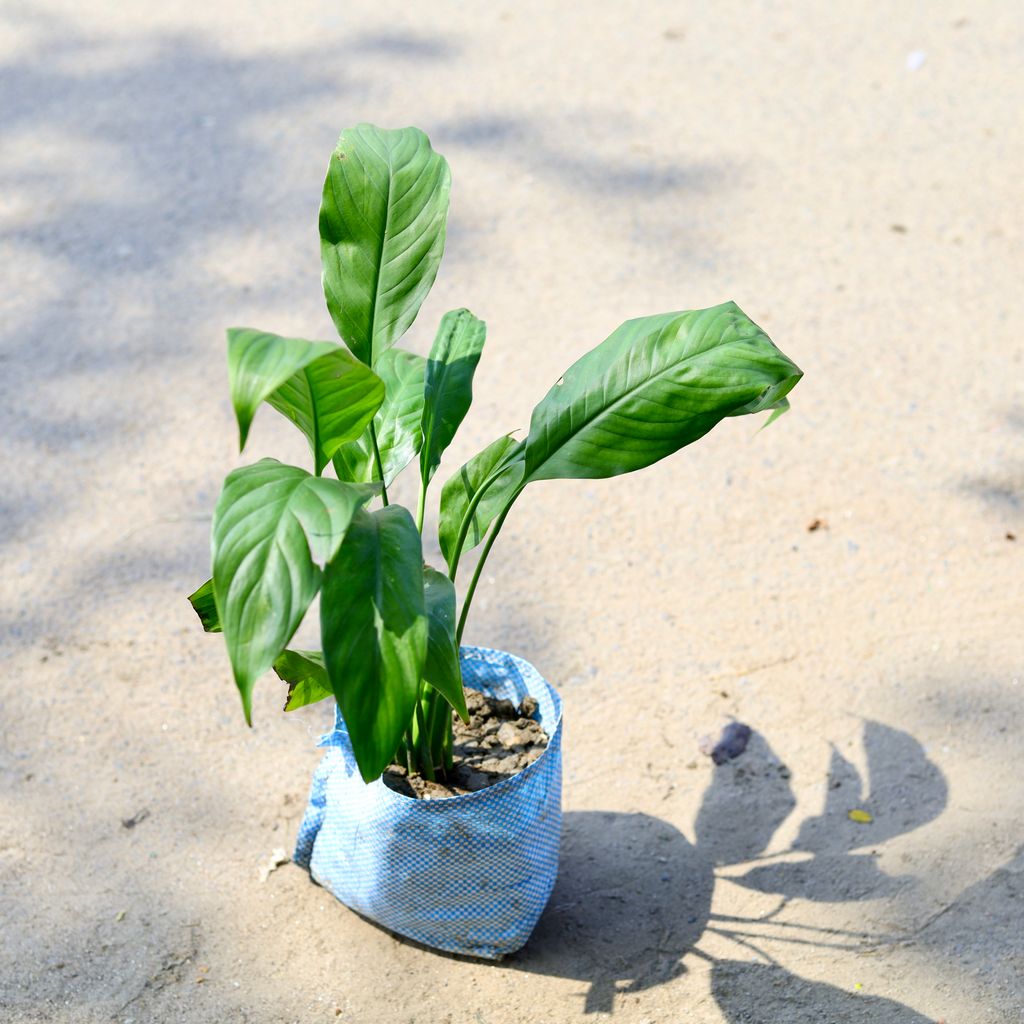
468 874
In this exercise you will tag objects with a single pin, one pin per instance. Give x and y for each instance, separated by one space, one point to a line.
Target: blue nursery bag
468 874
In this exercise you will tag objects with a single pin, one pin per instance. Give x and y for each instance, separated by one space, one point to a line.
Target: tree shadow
634 895
135 168
527 142
130 162
1001 489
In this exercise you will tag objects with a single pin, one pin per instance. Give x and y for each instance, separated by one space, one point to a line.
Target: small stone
510 736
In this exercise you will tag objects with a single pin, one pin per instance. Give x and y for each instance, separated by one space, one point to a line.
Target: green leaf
656 385
205 606
382 231
398 424
779 409
259 363
442 670
373 627
329 395
448 384
273 526
331 401
500 466
306 677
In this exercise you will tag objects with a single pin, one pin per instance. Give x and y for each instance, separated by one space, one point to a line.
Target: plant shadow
754 993
634 895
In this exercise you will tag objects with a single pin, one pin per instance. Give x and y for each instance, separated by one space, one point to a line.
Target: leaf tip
244 422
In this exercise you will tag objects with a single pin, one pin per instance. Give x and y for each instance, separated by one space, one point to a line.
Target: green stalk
426 760
492 536
437 707
468 517
379 464
447 744
421 508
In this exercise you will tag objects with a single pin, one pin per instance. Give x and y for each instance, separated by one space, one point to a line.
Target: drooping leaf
306 677
382 230
399 433
502 459
273 527
373 627
654 386
442 669
448 384
205 606
259 363
329 395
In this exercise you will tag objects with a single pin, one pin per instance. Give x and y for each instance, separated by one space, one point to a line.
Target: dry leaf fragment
276 859
862 817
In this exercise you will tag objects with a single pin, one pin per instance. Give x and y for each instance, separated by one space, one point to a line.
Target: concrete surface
850 174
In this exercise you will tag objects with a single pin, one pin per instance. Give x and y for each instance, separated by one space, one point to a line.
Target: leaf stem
379 464
492 537
470 512
423 743
421 507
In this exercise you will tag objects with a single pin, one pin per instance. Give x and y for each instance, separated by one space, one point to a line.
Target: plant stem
379 464
421 508
447 743
468 517
438 713
426 758
480 565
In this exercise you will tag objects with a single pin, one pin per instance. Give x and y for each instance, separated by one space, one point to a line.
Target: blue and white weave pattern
469 874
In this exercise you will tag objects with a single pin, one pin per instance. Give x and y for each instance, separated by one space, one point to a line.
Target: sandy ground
161 167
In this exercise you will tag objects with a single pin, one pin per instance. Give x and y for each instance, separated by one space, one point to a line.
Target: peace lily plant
282 534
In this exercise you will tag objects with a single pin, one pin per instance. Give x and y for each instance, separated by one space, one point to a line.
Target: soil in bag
497 742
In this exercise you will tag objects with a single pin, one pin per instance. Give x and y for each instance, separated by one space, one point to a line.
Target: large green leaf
448 384
654 386
306 677
398 423
382 229
324 390
499 466
204 604
441 669
373 627
272 528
